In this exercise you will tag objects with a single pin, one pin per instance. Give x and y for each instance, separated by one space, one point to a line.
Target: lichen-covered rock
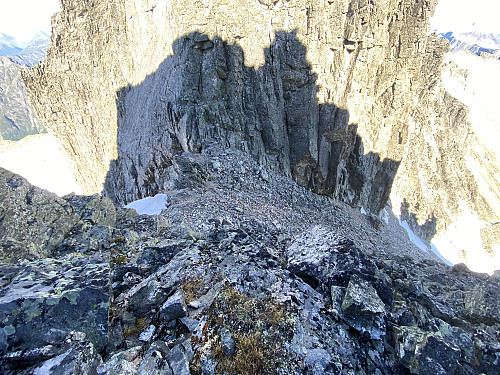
425 352
242 283
482 303
32 221
48 300
80 359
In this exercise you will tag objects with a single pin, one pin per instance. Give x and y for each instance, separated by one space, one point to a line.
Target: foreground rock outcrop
246 273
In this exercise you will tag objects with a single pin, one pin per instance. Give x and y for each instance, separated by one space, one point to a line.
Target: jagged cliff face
281 77
345 97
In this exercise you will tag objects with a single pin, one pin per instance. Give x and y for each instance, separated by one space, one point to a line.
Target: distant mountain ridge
8 45
473 41
17 118
29 55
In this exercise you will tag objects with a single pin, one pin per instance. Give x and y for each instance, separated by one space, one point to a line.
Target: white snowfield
149 205
42 161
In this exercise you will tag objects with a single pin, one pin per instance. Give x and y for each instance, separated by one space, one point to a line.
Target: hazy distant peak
474 41
33 52
8 45
4 38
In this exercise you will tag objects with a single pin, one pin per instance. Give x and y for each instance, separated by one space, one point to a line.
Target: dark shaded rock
363 309
154 257
487 351
174 307
50 298
178 358
425 352
145 296
320 257
3 342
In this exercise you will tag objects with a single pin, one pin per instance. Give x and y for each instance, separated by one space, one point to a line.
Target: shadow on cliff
427 230
204 94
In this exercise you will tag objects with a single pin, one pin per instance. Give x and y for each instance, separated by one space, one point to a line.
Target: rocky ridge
243 272
344 97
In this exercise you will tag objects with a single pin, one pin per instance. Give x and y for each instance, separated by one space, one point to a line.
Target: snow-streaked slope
461 242
413 237
422 246
149 205
42 161
475 81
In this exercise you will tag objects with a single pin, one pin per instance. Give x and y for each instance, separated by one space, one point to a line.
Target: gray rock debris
293 300
179 357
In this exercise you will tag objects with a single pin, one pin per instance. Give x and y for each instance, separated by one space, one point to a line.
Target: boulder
363 309
32 221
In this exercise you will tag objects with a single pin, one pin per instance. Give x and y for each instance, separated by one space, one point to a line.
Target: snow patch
435 250
149 205
385 216
414 238
363 211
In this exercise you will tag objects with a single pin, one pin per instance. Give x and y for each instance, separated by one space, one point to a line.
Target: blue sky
22 19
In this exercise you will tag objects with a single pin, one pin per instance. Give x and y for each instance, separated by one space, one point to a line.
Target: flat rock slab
64 295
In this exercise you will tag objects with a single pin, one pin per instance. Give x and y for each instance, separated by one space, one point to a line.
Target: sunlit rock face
473 236
344 97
